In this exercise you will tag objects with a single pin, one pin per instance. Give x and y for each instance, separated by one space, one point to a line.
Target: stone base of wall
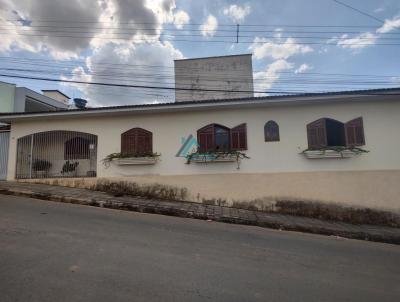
374 189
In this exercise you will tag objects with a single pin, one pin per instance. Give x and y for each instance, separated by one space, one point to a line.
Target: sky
297 45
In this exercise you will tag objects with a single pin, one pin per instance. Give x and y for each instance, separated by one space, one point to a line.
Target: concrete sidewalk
200 211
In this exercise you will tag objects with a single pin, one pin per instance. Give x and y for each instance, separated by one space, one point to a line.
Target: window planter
217 157
333 152
135 161
121 159
213 158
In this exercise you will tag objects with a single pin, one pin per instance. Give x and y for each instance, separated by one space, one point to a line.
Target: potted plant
69 168
41 168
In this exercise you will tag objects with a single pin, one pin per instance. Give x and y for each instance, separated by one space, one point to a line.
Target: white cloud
237 13
120 63
263 80
181 18
379 10
389 25
366 39
303 68
104 19
209 27
263 48
357 42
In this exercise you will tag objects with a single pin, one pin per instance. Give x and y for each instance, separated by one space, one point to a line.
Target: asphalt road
62 252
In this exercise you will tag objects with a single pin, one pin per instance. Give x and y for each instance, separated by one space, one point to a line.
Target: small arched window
271 132
77 148
137 142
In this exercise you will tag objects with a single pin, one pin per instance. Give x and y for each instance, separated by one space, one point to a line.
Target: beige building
308 147
223 77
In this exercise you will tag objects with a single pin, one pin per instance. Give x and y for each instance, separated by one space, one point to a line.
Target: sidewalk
200 211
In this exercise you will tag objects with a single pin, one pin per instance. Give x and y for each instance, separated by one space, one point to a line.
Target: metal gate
4 144
56 154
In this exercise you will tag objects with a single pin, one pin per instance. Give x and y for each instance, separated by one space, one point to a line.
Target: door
4 144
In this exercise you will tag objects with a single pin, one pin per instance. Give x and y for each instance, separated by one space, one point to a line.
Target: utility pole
237 33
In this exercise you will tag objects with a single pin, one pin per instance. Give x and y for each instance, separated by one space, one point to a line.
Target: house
21 99
335 147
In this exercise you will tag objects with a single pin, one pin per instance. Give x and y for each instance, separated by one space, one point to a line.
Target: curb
169 211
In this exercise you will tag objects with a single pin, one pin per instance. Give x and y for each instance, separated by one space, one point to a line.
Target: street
62 252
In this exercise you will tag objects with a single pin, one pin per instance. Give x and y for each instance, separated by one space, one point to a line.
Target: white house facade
352 146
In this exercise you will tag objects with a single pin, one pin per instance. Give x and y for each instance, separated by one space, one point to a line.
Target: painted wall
231 73
7 94
380 119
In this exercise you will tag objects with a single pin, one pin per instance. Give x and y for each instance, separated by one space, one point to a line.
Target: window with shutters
271 132
354 132
77 148
239 137
214 138
137 142
327 132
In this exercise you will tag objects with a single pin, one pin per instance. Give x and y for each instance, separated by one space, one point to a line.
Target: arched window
77 148
271 132
216 137
137 142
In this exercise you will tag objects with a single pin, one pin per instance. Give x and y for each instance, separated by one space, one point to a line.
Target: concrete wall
7 94
366 179
231 73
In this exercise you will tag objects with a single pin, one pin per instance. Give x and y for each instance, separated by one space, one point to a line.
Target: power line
159 68
33 21
359 11
148 41
144 86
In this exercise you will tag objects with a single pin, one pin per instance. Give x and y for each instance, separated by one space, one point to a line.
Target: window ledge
315 154
135 161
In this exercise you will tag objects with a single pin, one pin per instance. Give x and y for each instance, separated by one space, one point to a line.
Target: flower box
316 154
213 158
135 161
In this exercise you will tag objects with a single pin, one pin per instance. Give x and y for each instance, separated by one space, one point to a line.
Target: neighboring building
214 78
21 99
57 95
272 131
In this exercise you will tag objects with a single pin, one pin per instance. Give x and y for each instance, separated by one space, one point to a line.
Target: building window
137 142
271 132
327 132
216 137
77 148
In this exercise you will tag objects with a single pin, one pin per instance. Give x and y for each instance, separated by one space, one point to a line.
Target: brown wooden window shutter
316 134
271 132
137 141
205 138
354 130
239 137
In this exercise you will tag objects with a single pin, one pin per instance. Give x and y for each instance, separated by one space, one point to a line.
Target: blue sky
135 42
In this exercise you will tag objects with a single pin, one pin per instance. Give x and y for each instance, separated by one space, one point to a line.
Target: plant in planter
333 152
41 168
69 168
217 156
131 158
